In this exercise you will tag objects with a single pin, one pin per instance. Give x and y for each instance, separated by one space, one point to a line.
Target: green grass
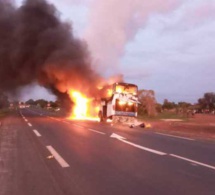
164 115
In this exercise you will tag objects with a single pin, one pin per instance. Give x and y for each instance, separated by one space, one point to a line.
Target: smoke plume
35 45
114 23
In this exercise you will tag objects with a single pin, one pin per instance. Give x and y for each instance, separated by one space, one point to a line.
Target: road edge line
193 161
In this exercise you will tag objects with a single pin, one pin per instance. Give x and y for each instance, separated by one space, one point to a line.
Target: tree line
150 107
5 103
42 103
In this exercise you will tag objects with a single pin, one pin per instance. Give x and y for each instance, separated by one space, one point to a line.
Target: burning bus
121 105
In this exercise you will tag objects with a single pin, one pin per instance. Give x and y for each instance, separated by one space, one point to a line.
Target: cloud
179 57
35 91
201 12
113 23
71 2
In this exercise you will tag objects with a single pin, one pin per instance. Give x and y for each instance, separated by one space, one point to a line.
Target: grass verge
164 115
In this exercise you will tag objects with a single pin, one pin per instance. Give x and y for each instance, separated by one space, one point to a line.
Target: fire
148 125
83 107
80 109
109 92
119 89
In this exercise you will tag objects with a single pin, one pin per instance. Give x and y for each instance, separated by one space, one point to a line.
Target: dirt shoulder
200 126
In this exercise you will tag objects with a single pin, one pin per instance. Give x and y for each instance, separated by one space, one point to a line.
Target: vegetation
30 102
4 102
164 115
148 103
150 109
43 103
207 102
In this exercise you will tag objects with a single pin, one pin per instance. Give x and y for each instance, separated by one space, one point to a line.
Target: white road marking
144 148
29 124
119 137
176 136
57 156
78 126
26 120
122 139
56 119
96 131
193 161
65 122
37 133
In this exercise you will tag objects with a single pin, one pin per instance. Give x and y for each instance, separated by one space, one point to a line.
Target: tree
148 102
30 102
3 100
184 108
159 108
42 103
207 101
184 105
54 104
169 105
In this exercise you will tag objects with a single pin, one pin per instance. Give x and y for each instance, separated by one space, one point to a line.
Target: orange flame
109 92
148 125
83 107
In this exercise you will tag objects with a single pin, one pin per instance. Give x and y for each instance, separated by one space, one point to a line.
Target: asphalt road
41 155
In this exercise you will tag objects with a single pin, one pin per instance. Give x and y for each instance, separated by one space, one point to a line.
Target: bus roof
130 84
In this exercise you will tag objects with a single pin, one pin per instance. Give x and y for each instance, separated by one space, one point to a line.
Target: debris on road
50 157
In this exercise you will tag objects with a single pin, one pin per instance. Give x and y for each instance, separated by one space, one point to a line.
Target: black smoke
36 46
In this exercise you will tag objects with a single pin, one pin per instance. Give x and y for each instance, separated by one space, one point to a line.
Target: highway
42 154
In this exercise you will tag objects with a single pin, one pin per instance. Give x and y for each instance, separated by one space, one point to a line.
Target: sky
166 46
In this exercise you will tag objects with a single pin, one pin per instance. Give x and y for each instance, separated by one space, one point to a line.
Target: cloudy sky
167 46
